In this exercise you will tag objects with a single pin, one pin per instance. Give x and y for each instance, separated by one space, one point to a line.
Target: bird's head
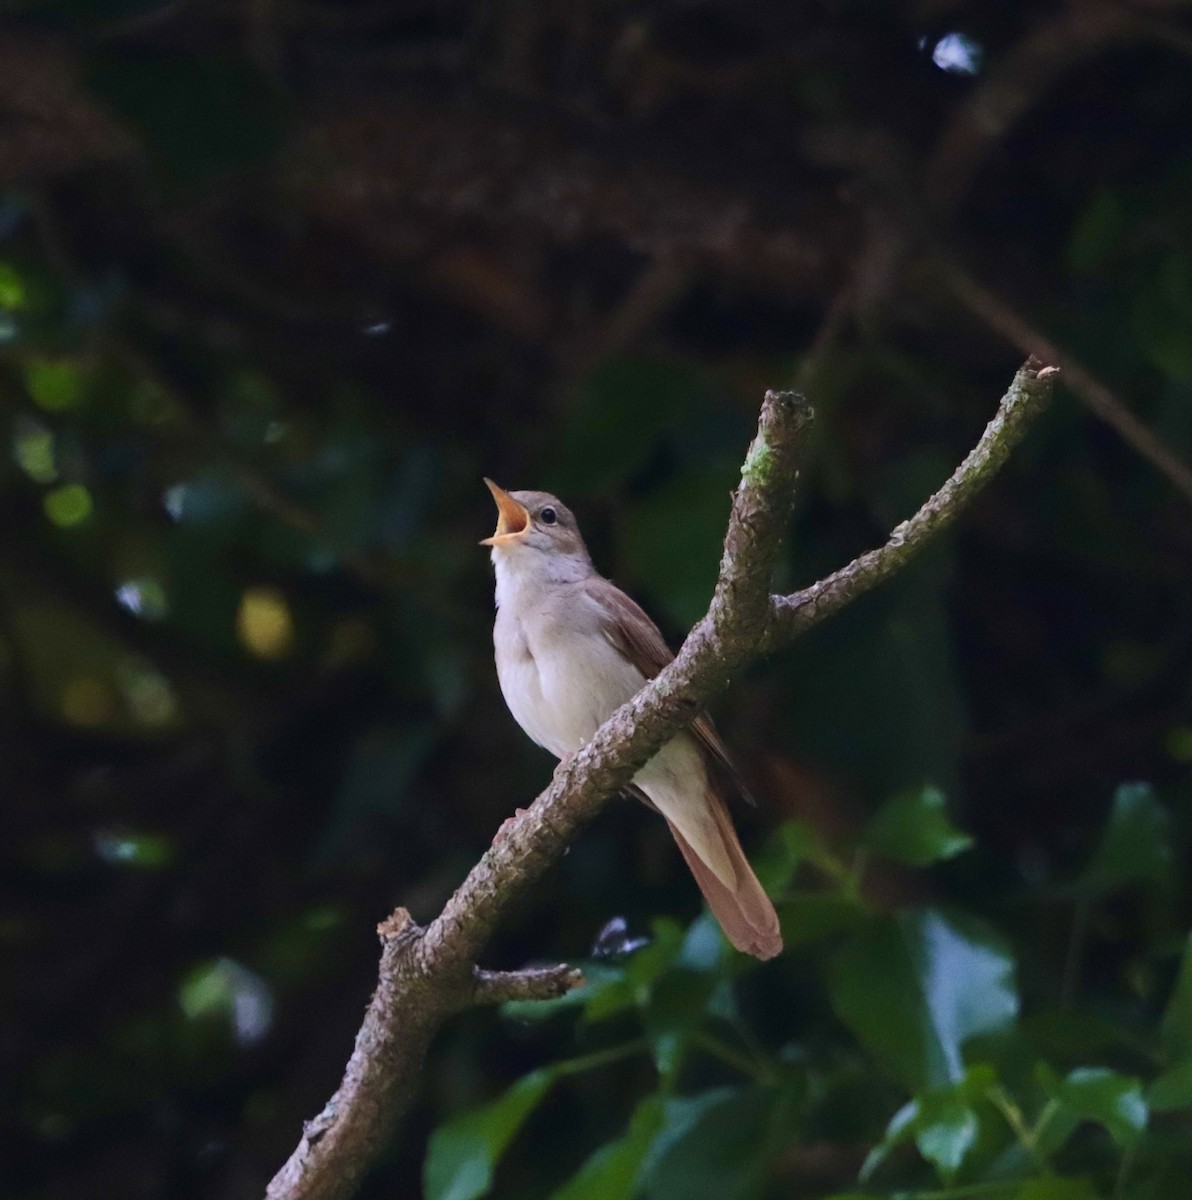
534 523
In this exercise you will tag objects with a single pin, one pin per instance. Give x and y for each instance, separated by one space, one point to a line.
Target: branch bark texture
427 975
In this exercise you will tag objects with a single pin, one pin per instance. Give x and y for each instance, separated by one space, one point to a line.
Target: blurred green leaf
887 709
1097 232
646 965
670 541
225 988
55 385
1055 1187
945 1133
1135 847
464 1153
792 843
1177 1017
1172 1089
1071 1035
12 287
715 1144
33 448
68 505
1162 313
299 947
678 1003
705 948
617 996
612 1172
375 784
808 916
914 988
914 828
624 410
1094 1094
147 851
901 1128
942 1123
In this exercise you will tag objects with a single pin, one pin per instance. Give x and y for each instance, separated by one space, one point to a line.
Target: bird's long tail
742 906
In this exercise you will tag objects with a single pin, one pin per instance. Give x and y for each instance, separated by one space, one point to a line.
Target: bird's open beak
513 519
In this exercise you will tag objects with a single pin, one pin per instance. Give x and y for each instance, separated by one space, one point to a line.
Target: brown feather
629 628
744 912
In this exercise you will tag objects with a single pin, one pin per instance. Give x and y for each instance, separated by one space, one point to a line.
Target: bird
570 649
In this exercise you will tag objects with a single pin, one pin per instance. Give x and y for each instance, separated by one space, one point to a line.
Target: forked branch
426 975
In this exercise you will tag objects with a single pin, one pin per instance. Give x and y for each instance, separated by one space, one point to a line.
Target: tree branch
531 983
425 976
1027 395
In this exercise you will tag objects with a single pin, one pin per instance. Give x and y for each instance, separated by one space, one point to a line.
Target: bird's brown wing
630 630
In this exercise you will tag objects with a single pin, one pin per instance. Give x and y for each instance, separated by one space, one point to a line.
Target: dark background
280 280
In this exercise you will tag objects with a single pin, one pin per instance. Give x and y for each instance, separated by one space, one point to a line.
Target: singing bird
571 648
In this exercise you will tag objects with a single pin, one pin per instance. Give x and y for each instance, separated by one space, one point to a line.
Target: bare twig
1101 401
531 983
796 613
425 976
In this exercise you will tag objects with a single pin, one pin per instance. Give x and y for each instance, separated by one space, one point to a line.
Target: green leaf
715 1144
943 1124
901 1128
678 1006
914 988
55 385
227 989
146 851
13 294
1135 847
612 1172
1097 233
614 997
464 1153
808 916
649 963
705 948
945 1132
914 828
793 843
1173 1088
624 410
1161 311
670 541
1055 1187
887 708
1177 1018
1112 1100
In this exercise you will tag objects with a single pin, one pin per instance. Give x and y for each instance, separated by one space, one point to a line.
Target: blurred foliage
280 282
927 1003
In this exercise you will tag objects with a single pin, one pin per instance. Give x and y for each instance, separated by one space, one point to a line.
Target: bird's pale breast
560 675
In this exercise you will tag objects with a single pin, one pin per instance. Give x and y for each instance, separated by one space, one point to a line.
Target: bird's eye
548 515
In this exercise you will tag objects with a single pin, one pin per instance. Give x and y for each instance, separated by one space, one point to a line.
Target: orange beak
513 519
